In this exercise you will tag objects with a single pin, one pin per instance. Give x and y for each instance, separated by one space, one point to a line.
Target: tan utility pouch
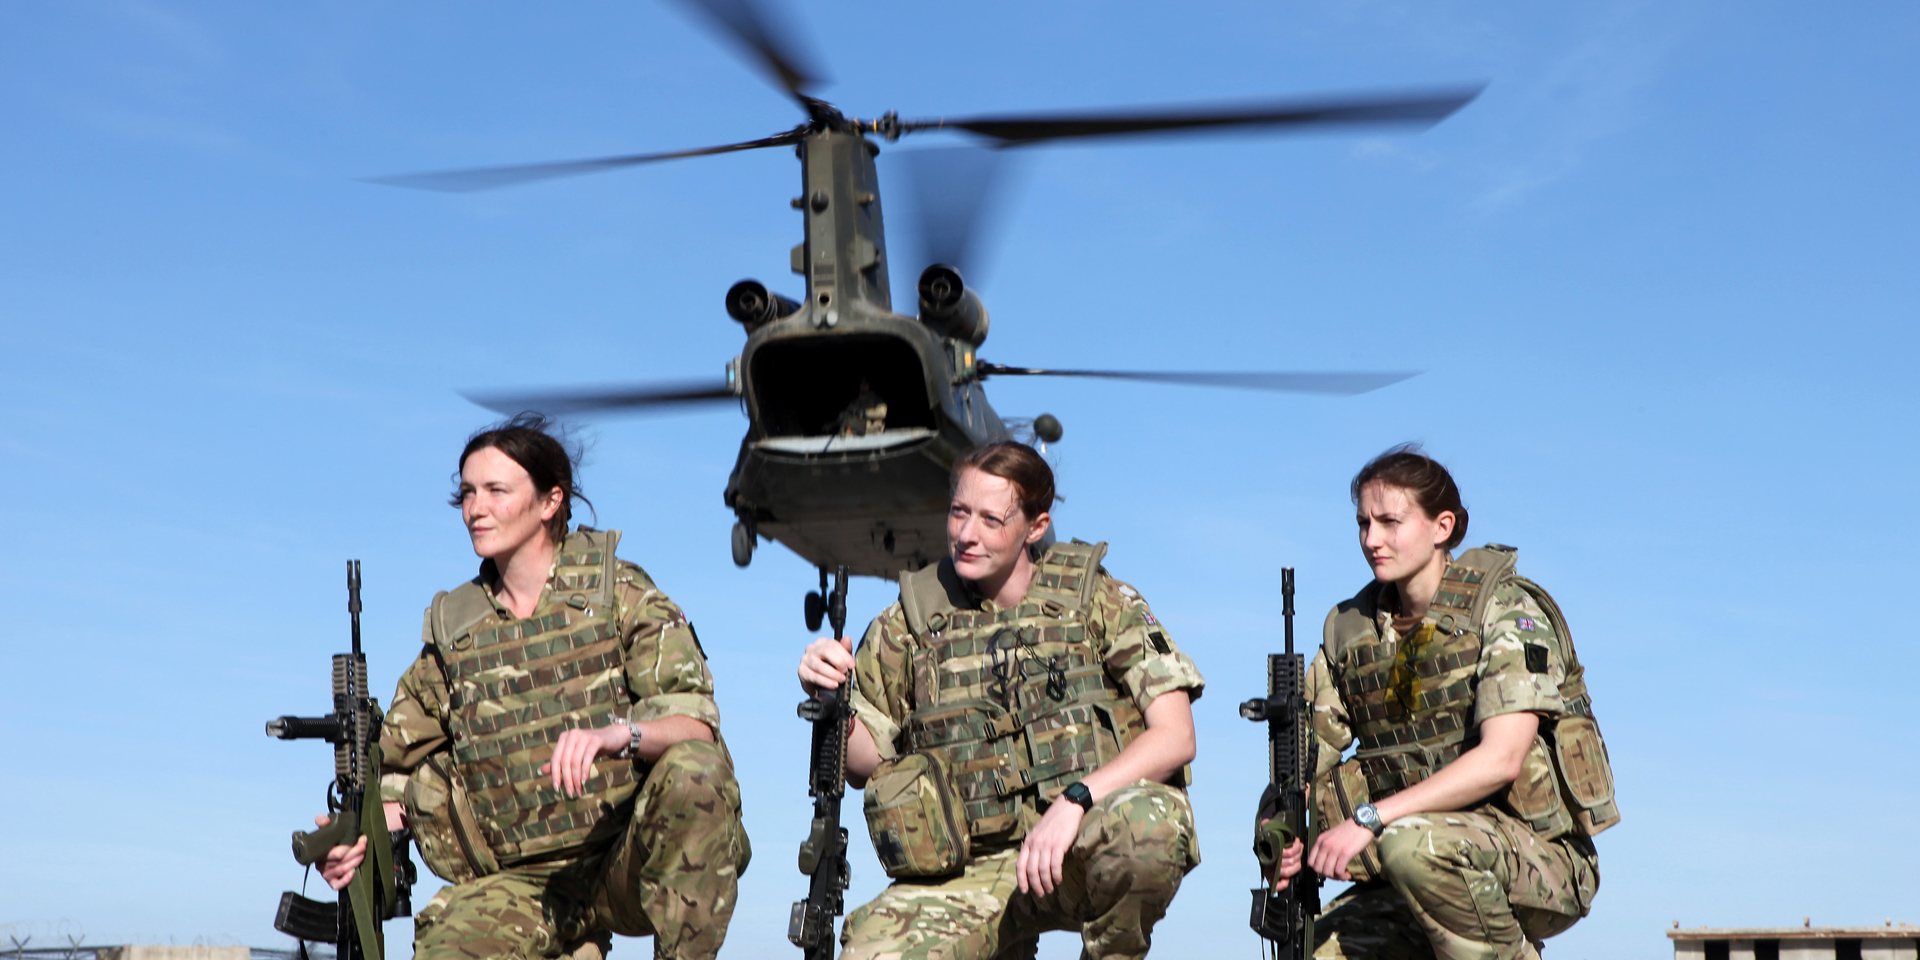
450 839
1534 796
915 818
1585 775
1335 796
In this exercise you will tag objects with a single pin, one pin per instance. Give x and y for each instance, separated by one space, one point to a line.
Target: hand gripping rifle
382 887
823 857
1285 919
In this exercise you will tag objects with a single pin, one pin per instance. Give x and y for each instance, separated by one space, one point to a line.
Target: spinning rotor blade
1418 108
1335 384
595 401
747 23
492 178
954 199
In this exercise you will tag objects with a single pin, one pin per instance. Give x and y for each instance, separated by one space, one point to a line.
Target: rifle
382 888
1285 919
823 857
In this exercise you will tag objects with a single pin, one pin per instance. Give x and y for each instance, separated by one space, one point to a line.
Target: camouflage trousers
671 875
1121 873
1461 886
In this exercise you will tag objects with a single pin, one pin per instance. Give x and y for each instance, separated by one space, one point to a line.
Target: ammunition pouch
915 817
443 823
1534 796
1586 778
1336 794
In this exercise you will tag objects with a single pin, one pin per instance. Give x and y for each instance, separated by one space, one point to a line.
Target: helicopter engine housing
947 305
754 306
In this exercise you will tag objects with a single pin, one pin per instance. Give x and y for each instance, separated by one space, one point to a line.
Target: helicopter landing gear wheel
742 544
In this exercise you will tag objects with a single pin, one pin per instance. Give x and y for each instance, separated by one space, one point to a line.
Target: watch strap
1078 793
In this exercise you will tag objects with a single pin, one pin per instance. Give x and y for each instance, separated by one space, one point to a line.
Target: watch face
1366 814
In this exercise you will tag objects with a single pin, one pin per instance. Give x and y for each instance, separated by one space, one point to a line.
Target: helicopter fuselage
876 500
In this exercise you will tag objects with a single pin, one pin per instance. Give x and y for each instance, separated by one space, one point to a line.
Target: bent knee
691 767
1416 846
1143 830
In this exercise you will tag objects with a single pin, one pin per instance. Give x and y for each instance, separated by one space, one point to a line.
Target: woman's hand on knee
1337 847
1043 855
577 749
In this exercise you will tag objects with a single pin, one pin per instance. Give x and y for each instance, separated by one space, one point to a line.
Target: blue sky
1659 277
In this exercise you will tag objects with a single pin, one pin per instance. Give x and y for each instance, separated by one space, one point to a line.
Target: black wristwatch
1078 793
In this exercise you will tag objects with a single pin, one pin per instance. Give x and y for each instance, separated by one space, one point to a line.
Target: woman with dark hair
1467 812
1022 724
555 749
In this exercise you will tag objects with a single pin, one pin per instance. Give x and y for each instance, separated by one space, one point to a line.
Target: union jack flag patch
1524 623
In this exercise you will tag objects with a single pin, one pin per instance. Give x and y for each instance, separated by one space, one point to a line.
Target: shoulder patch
695 634
1536 658
1159 641
1525 623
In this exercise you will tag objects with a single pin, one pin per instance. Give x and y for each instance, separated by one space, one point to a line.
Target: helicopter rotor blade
1426 107
956 192
474 179
629 399
1332 384
750 24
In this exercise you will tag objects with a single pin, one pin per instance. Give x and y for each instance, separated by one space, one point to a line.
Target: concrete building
1890 942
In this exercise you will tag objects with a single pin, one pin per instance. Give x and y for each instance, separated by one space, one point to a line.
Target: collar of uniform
490 579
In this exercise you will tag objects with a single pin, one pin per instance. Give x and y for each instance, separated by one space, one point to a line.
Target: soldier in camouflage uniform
1467 813
1022 726
555 749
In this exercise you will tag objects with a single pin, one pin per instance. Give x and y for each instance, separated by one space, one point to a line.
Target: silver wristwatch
1366 816
633 737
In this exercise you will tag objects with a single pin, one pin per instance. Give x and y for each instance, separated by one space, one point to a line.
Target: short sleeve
666 669
1330 724
415 723
1139 653
1520 664
882 675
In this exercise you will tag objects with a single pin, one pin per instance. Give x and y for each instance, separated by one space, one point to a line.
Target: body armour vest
514 687
1014 700
1412 710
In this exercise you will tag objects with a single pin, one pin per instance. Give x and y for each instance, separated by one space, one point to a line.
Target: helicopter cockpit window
840 386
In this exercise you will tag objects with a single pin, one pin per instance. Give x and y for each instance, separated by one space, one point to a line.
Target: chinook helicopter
856 412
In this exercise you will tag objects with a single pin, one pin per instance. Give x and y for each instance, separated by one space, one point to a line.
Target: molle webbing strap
1369 710
535 679
1466 587
1433 728
506 805
1351 622
966 678
532 713
585 568
1425 668
1068 574
514 656
457 612
932 591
